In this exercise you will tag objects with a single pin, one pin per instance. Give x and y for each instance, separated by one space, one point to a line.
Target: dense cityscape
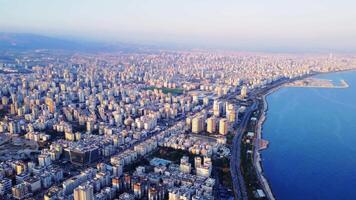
161 125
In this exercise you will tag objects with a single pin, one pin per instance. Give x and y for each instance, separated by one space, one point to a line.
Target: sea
312 141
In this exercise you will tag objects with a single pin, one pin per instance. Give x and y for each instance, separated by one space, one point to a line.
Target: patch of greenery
222 166
3 113
139 162
229 138
165 90
170 154
247 167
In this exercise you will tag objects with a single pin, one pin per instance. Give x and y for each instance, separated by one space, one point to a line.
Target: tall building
90 126
232 116
14 127
153 193
205 168
84 192
116 183
197 124
4 100
51 105
206 100
217 107
188 122
44 160
231 113
197 161
223 126
137 189
5 186
243 91
20 191
211 125
117 170
195 99
185 166
81 96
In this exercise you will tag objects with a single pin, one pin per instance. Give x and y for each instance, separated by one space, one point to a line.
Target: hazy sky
264 24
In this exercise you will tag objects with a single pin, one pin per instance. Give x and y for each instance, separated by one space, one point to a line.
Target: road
235 162
239 186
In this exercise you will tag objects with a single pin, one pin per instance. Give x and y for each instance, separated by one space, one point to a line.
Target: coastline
258 159
257 155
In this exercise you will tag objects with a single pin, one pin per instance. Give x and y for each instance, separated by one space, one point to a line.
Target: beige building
223 126
217 107
185 166
211 125
243 93
197 161
198 124
231 113
84 192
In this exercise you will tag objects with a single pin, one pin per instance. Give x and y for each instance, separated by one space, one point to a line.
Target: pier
318 83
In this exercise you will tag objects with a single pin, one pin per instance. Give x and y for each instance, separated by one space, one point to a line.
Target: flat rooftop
159 162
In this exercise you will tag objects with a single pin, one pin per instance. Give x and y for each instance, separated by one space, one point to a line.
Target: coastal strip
257 156
247 172
257 162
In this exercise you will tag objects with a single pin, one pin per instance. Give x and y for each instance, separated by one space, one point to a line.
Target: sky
242 24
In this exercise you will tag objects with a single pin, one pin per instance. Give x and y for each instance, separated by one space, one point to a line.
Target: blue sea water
312 135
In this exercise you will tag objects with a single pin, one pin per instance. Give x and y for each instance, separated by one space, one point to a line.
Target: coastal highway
235 162
239 186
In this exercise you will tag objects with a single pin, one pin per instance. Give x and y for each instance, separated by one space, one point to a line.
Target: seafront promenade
257 155
257 161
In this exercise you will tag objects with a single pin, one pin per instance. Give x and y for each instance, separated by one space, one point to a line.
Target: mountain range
27 41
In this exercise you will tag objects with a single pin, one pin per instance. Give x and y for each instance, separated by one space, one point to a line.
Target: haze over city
276 25
177 100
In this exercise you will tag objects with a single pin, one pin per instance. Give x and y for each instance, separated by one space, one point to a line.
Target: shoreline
258 158
257 155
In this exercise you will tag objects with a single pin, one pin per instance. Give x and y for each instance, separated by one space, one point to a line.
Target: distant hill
26 41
